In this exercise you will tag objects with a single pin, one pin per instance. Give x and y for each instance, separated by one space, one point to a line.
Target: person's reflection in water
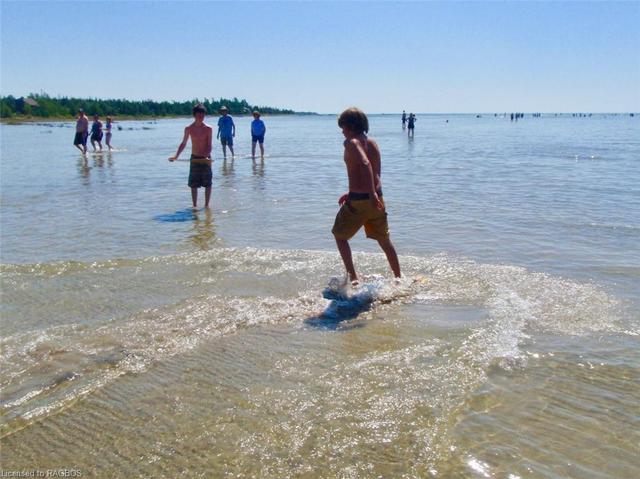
83 168
227 167
411 147
204 233
258 168
98 161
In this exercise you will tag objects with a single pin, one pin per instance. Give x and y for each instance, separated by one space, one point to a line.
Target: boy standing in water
226 131
257 135
362 205
201 136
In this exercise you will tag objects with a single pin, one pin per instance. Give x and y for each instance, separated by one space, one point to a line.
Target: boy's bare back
358 154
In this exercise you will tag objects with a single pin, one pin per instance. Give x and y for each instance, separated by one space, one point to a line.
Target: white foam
518 302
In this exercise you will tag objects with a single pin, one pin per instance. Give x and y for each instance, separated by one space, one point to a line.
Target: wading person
363 204
201 136
82 132
226 131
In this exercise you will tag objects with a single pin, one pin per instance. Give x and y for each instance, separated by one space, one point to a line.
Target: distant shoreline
21 120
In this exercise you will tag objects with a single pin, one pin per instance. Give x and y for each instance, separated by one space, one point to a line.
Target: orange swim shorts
354 214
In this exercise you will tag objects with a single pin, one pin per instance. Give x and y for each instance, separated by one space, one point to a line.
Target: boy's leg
391 254
224 150
253 149
194 196
345 253
231 150
207 196
261 150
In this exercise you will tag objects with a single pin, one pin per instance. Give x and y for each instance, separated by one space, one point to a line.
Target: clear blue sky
324 56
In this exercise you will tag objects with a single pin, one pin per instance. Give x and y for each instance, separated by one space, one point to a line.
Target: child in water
201 136
363 204
96 133
257 134
108 132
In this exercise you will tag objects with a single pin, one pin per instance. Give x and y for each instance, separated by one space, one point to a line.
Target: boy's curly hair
354 119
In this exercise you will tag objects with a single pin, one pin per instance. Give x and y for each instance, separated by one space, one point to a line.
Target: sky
440 57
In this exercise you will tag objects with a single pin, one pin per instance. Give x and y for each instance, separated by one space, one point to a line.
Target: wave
206 295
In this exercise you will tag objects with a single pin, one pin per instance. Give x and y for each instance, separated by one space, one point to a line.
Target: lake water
140 339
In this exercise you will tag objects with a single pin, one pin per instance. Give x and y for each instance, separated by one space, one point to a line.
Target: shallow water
210 343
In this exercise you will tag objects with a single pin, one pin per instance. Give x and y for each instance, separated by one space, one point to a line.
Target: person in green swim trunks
201 136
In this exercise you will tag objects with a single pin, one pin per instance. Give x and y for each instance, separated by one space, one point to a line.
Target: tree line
63 107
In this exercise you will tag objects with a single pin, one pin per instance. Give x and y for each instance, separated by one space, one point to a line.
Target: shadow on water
180 216
341 308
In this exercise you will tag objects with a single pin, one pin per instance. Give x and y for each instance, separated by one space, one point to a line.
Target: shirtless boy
82 132
201 136
363 204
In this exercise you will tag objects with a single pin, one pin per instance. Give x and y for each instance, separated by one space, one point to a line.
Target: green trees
63 107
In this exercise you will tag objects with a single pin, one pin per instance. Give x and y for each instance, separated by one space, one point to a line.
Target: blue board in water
345 304
177 217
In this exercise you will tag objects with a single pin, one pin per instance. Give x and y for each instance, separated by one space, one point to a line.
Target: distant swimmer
107 130
411 124
82 132
226 131
363 204
96 133
201 136
258 129
404 119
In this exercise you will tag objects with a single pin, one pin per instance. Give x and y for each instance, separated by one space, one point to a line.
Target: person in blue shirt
96 133
257 135
226 131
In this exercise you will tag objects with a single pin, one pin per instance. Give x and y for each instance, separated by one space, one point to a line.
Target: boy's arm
182 145
208 142
218 135
233 126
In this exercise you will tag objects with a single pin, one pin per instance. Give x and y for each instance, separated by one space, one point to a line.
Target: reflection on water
258 168
203 234
227 167
92 160
83 168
